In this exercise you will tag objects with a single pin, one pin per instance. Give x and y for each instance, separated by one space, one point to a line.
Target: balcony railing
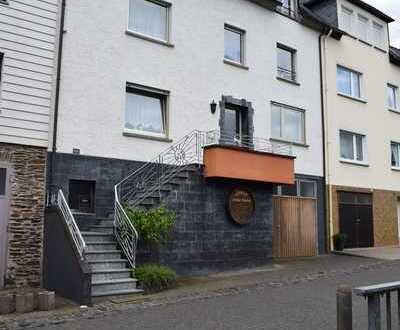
287 74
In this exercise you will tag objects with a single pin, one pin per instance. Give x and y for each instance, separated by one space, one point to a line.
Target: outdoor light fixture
213 107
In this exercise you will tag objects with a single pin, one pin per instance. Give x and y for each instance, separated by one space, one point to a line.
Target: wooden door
4 211
295 227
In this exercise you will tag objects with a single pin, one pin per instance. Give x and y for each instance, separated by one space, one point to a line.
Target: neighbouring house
28 48
212 108
361 99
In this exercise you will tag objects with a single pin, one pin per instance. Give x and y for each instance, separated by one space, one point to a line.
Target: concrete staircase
111 274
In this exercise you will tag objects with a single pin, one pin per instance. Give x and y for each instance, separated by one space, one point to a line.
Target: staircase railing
150 178
55 197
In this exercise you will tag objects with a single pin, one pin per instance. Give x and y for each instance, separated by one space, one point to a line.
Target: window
348 82
287 123
3 181
352 147
286 63
146 111
150 18
347 19
234 44
301 188
378 35
395 151
393 95
363 27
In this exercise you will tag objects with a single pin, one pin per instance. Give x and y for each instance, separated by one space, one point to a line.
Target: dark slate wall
205 238
105 171
327 10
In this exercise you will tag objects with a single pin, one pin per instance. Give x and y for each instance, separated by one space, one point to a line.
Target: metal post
344 308
398 308
374 312
388 311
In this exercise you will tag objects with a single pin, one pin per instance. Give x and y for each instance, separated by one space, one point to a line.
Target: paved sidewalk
381 253
281 274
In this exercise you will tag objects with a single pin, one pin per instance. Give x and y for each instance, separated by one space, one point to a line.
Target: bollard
7 304
344 305
46 301
24 302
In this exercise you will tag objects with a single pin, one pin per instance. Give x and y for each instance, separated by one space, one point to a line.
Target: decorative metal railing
55 197
287 74
151 177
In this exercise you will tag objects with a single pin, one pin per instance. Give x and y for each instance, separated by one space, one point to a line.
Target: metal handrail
57 198
149 178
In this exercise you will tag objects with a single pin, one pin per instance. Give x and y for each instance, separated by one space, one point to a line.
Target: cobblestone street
296 295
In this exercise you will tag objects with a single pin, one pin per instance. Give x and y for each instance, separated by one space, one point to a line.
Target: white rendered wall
99 58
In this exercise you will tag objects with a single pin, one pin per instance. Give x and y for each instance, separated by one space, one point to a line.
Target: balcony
251 159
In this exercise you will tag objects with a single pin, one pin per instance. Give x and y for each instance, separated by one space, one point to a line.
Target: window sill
365 43
149 38
397 111
146 137
236 64
297 144
354 162
352 98
395 169
293 82
380 49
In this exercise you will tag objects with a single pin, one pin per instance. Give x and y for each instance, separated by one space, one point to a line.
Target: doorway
4 214
81 196
356 219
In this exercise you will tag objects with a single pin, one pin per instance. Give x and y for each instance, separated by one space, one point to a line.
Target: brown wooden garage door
295 227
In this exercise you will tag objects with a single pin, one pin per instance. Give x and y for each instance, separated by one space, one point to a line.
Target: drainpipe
57 94
324 113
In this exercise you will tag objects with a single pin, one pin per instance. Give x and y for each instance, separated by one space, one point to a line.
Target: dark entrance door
356 219
81 196
235 126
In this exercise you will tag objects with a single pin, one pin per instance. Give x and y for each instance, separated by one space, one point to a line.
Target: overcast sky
391 8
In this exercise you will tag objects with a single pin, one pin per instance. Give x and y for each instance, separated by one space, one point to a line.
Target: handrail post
388 311
374 312
344 309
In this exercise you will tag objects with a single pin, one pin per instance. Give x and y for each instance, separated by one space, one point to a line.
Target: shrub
155 278
152 225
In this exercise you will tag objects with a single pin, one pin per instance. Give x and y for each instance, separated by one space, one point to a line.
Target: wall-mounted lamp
213 107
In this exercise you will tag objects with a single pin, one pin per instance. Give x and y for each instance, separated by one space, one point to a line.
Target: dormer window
378 34
363 28
347 19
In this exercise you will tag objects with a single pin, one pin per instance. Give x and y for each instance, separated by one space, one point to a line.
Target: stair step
103 255
117 293
94 237
101 246
101 287
98 265
109 229
111 274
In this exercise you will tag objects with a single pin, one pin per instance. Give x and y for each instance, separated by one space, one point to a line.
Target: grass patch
155 278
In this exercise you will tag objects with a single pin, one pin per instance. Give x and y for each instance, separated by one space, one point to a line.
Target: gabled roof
372 10
394 54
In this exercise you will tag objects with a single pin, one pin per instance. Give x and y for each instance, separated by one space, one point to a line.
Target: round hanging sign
241 206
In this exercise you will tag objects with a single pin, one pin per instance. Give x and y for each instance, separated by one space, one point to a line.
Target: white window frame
378 43
298 190
395 89
363 22
281 71
242 34
284 107
351 15
161 3
364 149
352 74
157 93
396 144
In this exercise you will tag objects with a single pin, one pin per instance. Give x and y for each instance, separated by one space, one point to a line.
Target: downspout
325 148
57 94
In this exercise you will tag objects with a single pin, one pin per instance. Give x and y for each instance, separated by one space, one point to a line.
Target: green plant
152 225
155 278
339 241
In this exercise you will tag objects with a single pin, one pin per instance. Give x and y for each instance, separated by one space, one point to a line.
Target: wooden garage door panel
294 227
